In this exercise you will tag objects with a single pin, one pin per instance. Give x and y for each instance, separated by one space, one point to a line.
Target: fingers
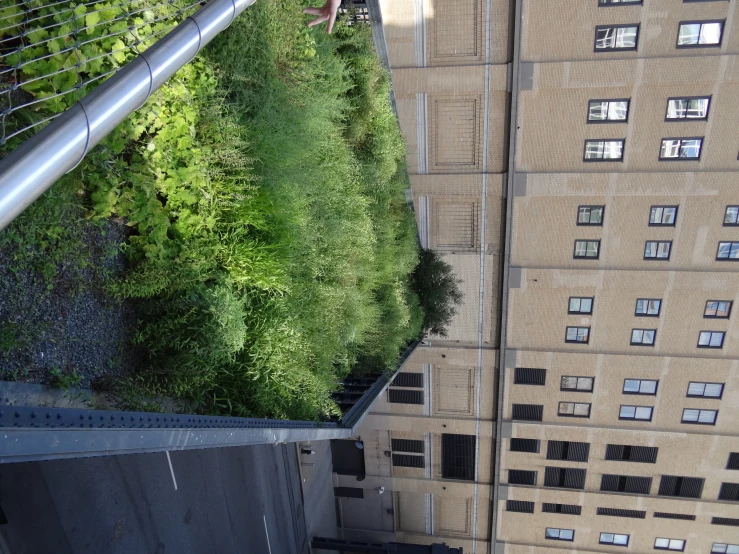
313 11
317 21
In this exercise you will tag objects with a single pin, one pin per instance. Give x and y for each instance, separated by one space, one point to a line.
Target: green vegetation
271 245
438 292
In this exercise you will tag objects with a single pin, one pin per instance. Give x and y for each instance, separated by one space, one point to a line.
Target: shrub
438 291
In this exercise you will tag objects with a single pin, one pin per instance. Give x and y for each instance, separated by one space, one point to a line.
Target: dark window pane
458 456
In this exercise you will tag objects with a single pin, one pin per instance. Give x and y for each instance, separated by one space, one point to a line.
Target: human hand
325 13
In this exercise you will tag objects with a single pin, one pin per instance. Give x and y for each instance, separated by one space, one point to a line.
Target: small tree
437 290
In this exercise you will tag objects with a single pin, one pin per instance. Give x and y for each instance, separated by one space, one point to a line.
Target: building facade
577 162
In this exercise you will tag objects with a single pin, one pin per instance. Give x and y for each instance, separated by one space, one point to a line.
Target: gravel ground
69 323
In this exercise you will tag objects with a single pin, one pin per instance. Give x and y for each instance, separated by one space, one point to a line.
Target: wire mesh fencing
52 53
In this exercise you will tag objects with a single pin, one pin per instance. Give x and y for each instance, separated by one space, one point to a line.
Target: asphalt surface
230 500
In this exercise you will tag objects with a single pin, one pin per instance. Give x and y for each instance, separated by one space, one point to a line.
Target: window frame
726 209
559 534
574 250
581 298
631 338
718 250
622 418
668 546
591 206
573 414
680 119
719 397
609 100
680 158
612 542
723 338
701 22
657 258
656 387
587 339
611 3
592 383
728 311
663 206
699 410
727 545
611 160
647 314
621 26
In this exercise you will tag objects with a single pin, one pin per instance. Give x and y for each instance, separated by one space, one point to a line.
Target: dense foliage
271 243
438 292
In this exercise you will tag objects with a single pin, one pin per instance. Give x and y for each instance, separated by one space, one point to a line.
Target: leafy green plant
64 380
438 291
9 337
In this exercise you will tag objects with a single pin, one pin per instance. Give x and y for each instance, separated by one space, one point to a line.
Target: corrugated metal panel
524 445
458 456
522 477
564 450
405 396
408 380
617 512
407 445
519 506
408 460
529 376
733 462
686 487
729 491
565 477
625 483
572 509
725 521
668 515
528 412
629 453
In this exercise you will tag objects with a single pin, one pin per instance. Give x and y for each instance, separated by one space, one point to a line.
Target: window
662 216
669 515
657 249
684 487
711 339
640 386
458 456
641 413
608 111
720 309
578 334
733 461
524 445
403 396
619 512
587 249
590 215
669 544
529 376
643 337
572 509
407 445
519 506
699 33
734 522
731 216
580 305
407 379
729 491
705 390
528 412
630 453
728 251
616 37
408 460
573 409
625 483
608 150
681 148
687 108
521 477
648 307
564 477
617 2
578 384
560 534
614 539
723 548
566 450
704 417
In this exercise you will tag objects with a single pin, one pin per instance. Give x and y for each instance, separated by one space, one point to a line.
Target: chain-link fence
52 53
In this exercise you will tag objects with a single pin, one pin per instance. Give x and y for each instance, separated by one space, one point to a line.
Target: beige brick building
593 370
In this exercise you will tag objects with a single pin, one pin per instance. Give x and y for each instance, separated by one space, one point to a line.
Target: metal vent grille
564 477
458 456
407 445
572 509
409 380
725 521
522 477
524 445
729 491
529 376
733 462
629 453
625 483
668 515
564 450
403 396
528 412
408 460
617 512
519 506
686 487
